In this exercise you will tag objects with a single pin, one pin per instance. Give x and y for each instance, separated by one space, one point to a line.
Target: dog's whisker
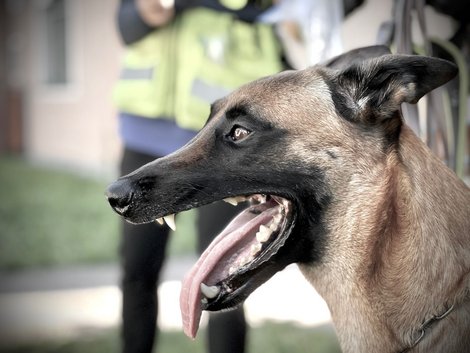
197 187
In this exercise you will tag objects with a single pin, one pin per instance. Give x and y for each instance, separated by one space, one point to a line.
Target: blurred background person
180 57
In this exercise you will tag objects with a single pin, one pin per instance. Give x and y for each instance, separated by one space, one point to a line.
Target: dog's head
289 143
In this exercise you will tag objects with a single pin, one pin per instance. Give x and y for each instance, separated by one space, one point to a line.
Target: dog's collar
421 331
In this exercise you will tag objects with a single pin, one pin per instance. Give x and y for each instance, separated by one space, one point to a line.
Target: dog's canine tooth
160 221
263 234
209 291
170 221
232 270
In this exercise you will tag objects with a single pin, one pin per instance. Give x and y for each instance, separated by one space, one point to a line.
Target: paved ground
62 303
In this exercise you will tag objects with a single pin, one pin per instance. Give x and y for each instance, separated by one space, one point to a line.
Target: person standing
180 56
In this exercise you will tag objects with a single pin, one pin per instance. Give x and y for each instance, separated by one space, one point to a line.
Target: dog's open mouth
232 266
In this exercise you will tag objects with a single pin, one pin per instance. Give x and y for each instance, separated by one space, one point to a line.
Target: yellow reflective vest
177 71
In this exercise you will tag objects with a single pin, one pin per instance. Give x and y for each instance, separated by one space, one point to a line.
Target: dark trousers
143 250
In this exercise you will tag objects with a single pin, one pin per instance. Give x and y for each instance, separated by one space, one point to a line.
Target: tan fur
391 223
384 224
394 213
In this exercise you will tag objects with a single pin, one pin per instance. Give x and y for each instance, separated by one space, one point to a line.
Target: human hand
156 12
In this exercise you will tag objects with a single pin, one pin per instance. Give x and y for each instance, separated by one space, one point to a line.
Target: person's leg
143 252
227 330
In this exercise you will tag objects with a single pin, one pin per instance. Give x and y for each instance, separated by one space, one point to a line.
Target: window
56 48
55 31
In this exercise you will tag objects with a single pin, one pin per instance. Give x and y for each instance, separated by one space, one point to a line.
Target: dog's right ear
373 90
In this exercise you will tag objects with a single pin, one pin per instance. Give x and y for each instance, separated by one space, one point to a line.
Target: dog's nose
120 195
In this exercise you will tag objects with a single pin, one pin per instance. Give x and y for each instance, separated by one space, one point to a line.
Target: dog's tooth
263 228
227 288
276 222
160 221
209 291
204 301
273 226
255 249
231 200
243 261
232 270
170 221
235 200
263 234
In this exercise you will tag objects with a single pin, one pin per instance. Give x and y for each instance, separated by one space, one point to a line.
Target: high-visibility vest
177 71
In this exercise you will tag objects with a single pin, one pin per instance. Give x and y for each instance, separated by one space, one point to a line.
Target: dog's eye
238 133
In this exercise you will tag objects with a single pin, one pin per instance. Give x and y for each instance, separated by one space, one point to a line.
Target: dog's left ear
356 56
375 88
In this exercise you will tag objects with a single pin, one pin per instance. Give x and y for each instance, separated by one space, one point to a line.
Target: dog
338 184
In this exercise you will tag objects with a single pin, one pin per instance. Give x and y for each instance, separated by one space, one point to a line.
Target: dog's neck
401 257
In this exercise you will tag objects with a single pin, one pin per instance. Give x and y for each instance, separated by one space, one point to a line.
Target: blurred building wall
64 59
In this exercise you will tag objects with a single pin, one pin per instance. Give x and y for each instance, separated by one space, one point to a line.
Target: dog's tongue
214 263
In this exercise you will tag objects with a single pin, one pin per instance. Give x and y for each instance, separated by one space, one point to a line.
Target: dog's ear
356 56
375 88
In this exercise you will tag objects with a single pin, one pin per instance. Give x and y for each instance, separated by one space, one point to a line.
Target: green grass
270 337
50 217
